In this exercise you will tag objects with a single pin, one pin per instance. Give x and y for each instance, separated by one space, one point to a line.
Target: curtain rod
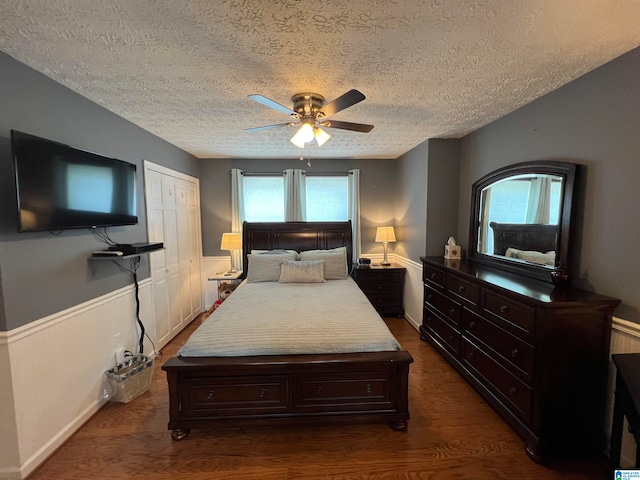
310 174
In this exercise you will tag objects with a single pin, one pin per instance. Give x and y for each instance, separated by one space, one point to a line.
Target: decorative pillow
302 271
266 268
335 261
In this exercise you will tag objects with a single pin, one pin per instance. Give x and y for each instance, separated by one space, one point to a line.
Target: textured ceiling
182 69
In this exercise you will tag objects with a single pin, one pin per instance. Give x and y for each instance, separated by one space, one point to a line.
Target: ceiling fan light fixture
321 136
303 135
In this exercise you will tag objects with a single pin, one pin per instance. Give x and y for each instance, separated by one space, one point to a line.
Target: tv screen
60 187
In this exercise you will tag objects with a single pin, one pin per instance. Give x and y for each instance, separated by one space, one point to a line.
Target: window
263 199
327 199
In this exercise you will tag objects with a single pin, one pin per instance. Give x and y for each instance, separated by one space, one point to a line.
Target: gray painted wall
593 121
377 194
427 198
442 194
411 202
41 273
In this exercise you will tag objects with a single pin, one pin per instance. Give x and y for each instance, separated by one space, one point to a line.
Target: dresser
383 286
537 354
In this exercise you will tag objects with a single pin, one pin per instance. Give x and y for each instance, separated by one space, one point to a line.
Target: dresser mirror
521 219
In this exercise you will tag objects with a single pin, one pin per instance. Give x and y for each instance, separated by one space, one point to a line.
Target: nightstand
383 286
224 277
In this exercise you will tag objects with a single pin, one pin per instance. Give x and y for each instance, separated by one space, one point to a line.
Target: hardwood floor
452 433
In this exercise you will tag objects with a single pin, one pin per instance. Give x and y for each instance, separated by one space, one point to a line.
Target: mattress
271 318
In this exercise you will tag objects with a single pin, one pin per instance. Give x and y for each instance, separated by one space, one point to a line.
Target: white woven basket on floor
130 379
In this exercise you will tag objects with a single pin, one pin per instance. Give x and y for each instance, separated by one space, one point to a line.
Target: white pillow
265 268
302 271
335 261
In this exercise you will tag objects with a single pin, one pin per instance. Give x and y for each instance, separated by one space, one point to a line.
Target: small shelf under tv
115 258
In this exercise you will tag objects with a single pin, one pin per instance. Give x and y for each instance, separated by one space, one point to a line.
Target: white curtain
294 195
485 237
539 200
237 213
354 211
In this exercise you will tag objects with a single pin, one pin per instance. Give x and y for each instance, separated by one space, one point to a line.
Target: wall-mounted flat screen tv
61 187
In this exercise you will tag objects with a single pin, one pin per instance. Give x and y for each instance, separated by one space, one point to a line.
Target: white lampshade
385 234
303 135
231 241
321 136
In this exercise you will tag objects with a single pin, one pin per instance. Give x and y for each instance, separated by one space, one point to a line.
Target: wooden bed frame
243 391
537 237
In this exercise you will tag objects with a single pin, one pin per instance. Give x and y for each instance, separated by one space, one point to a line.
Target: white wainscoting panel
9 458
413 289
57 367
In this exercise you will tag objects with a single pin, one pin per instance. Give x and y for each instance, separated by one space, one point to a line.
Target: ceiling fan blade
345 101
356 127
271 104
267 127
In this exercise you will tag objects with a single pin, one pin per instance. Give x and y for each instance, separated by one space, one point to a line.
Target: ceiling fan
312 114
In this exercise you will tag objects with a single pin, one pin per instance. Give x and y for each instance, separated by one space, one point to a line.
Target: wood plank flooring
453 434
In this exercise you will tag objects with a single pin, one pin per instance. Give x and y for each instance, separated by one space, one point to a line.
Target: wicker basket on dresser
537 354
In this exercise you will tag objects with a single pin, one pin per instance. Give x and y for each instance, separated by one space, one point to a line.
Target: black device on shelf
136 248
60 187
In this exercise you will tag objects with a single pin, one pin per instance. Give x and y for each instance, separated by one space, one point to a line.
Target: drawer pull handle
461 288
318 390
513 391
515 353
367 388
472 325
433 276
263 392
471 355
451 338
452 312
212 394
504 308
429 297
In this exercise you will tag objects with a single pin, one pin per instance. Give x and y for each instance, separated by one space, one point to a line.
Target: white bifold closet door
173 217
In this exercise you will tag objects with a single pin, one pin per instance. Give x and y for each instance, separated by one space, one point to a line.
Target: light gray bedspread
271 318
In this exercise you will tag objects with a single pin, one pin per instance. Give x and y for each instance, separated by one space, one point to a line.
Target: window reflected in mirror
507 205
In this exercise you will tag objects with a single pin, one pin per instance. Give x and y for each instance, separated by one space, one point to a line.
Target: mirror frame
560 273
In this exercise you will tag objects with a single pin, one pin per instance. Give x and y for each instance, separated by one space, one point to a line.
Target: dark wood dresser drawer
447 307
377 276
433 275
517 317
514 354
467 292
350 391
232 395
379 289
448 336
509 389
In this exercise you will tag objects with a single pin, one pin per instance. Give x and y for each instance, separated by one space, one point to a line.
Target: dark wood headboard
297 236
538 237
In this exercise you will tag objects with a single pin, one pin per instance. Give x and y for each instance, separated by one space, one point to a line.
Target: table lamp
385 235
231 241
